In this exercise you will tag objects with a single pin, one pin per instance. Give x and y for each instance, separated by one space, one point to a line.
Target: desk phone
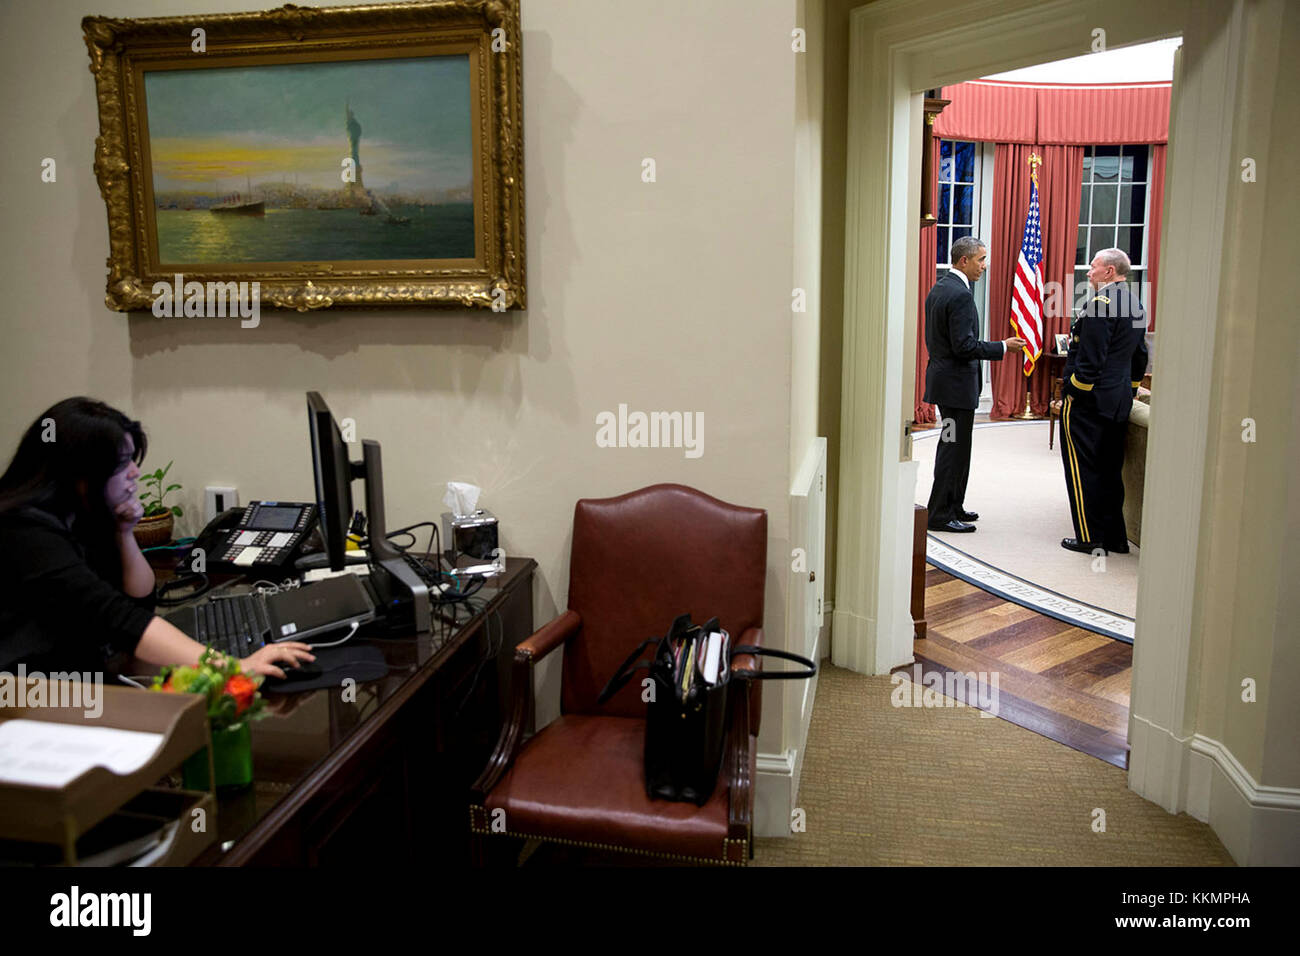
262 536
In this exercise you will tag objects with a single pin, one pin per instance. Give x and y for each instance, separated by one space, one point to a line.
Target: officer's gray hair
965 246
1117 258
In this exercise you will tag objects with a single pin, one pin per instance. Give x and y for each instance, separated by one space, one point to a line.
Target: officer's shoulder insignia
1102 298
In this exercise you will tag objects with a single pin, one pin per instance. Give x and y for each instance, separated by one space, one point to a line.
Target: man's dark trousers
1092 448
951 465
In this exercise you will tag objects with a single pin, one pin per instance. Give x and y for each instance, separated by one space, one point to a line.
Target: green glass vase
232 760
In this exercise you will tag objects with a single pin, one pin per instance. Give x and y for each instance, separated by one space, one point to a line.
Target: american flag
1027 289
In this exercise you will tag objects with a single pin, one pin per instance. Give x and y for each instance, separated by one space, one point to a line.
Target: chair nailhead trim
621 849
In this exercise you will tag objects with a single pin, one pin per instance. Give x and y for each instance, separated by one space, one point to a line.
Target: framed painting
358 156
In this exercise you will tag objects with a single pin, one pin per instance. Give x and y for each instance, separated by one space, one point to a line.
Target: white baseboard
1259 825
776 787
774 794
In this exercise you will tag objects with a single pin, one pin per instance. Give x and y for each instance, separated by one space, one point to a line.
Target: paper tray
60 815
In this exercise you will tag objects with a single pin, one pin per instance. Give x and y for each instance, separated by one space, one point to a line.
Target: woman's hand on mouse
264 659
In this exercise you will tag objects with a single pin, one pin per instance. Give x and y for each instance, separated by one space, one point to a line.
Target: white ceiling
1145 62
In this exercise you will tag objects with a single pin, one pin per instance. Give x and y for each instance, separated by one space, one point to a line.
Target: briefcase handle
626 670
809 667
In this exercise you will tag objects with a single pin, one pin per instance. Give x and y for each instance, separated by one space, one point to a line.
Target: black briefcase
686 714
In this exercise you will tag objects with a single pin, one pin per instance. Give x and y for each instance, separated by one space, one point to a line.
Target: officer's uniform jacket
1108 352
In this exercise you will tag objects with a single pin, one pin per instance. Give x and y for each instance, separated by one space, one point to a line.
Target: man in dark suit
1105 365
953 379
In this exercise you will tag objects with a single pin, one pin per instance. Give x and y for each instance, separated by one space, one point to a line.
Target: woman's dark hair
64 461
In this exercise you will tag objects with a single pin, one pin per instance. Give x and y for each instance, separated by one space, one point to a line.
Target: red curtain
923 413
992 112
1060 183
1153 226
1104 115
1062 115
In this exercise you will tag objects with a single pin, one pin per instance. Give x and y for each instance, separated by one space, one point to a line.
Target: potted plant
233 702
155 528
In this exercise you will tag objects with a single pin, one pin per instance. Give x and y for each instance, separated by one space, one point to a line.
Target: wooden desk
383 778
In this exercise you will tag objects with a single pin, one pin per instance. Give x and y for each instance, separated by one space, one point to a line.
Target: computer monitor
333 472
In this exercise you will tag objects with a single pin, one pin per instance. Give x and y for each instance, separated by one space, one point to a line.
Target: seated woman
76 594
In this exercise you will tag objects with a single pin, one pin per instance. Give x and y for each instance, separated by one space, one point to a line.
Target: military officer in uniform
1105 364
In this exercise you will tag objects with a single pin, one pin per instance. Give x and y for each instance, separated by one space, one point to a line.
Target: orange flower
242 689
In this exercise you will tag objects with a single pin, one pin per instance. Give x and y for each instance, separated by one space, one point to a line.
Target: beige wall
666 296
1245 619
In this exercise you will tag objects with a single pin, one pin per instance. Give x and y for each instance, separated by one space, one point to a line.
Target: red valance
995 111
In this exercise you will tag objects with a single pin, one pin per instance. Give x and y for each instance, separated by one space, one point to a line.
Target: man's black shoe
1122 549
1083 547
968 516
956 527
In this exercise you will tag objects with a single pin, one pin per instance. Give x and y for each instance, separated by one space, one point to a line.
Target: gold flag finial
1034 162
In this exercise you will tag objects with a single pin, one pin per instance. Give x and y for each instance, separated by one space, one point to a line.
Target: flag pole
1027 413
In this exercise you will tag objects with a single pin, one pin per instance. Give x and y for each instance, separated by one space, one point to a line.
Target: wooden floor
1058 680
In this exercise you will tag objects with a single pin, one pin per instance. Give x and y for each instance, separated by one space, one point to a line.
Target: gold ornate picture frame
225 157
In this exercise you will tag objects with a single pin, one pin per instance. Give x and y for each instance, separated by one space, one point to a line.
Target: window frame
1140 269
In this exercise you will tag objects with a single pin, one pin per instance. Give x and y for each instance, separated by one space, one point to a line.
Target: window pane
1103 203
1103 237
959 231
1087 167
965 162
962 201
945 163
1085 196
945 203
1130 240
1132 204
945 148
1080 291
941 255
1081 253
1136 280
1139 162
1105 165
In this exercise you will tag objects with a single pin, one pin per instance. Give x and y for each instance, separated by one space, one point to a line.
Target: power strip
322 574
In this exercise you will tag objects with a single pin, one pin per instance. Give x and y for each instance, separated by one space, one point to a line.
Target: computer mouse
304 671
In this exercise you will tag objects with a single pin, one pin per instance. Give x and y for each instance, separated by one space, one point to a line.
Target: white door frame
901 46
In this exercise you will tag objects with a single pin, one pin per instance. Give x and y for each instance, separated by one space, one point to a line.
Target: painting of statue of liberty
346 161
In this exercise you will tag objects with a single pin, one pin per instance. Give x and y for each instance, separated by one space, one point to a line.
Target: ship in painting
235 204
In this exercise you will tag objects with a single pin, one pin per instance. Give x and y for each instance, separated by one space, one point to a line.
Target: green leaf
157 475
176 510
171 488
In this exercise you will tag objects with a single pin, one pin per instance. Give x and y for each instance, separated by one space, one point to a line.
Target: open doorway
895 55
1048 166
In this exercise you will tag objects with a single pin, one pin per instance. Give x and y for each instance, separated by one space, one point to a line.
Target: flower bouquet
233 701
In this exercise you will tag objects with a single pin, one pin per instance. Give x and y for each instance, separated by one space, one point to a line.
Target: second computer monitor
333 473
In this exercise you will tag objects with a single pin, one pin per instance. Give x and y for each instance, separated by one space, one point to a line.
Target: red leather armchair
638 560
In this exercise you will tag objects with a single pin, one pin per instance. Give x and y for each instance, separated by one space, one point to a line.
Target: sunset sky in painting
210 129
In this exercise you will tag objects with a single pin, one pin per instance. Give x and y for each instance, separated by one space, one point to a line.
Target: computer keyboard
233 625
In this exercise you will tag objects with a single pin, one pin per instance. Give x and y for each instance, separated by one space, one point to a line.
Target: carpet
942 786
1020 530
